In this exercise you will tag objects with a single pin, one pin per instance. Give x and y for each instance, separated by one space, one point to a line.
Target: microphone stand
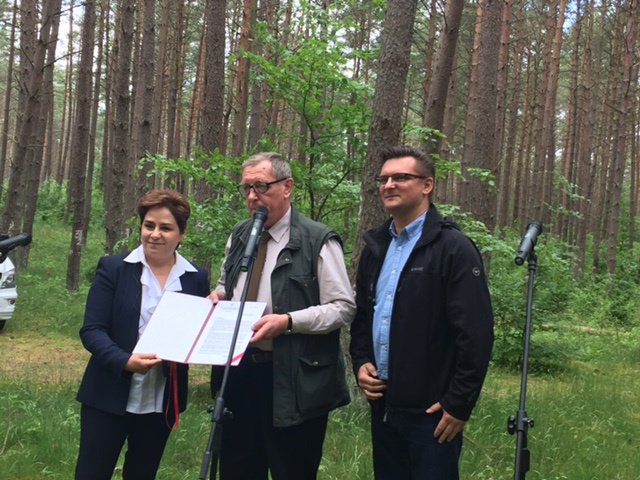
520 423
219 413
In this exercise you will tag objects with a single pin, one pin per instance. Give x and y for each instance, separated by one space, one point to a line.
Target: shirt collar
278 229
182 264
411 230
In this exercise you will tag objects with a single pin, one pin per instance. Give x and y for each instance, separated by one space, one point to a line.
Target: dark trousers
102 436
404 446
251 445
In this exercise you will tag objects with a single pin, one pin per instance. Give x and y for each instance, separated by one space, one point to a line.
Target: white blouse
147 391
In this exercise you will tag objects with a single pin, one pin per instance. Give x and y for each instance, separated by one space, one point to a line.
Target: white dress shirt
147 391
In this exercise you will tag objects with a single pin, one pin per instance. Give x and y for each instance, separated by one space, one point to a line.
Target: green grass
586 417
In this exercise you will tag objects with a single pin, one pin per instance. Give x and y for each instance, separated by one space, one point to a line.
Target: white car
8 291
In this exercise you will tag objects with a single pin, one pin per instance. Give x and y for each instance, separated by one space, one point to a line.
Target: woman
129 396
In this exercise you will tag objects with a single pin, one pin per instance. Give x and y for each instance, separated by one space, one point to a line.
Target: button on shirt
397 255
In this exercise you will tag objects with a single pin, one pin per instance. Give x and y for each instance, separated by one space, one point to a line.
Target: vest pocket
303 291
318 387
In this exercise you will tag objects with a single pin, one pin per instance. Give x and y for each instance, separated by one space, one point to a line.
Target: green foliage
212 218
52 203
43 300
554 285
52 200
426 135
582 391
557 293
607 301
313 78
485 176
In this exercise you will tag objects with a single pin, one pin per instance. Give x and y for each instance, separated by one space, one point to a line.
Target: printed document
189 329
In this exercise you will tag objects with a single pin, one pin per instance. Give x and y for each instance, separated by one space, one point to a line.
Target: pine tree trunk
242 79
481 150
393 66
6 123
117 206
80 146
142 119
436 101
629 75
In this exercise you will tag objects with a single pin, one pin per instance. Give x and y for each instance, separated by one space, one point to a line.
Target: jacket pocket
303 291
320 384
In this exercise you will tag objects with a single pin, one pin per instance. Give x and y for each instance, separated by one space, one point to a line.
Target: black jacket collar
378 239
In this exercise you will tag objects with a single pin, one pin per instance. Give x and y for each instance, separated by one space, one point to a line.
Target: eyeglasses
397 178
258 187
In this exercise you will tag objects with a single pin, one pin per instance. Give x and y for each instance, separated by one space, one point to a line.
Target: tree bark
433 116
143 106
242 78
479 196
393 66
119 205
6 123
80 146
629 75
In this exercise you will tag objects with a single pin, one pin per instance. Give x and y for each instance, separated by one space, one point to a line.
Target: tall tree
95 104
393 67
12 215
259 92
81 144
143 106
212 104
6 120
212 114
604 146
119 205
239 131
480 151
48 113
174 108
433 115
545 147
159 92
507 185
504 163
24 181
629 43
60 166
47 42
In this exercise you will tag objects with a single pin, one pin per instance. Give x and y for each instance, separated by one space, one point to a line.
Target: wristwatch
289 329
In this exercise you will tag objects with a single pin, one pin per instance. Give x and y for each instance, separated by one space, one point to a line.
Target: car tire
2 322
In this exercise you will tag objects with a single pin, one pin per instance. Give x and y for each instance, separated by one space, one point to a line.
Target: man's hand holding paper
189 329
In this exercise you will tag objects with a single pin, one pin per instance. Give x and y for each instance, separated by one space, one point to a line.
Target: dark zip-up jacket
441 325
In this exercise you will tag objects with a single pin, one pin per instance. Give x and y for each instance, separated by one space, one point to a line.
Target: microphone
8 244
20 240
256 230
528 242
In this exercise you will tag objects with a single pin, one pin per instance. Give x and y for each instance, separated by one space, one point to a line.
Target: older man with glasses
292 374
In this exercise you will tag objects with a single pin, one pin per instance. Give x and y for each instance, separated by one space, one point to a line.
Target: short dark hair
425 165
172 200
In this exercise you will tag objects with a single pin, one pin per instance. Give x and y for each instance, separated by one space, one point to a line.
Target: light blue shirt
397 255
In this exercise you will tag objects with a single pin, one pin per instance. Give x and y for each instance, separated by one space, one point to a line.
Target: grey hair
280 167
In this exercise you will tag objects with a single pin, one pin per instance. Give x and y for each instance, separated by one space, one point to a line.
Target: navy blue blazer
110 332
